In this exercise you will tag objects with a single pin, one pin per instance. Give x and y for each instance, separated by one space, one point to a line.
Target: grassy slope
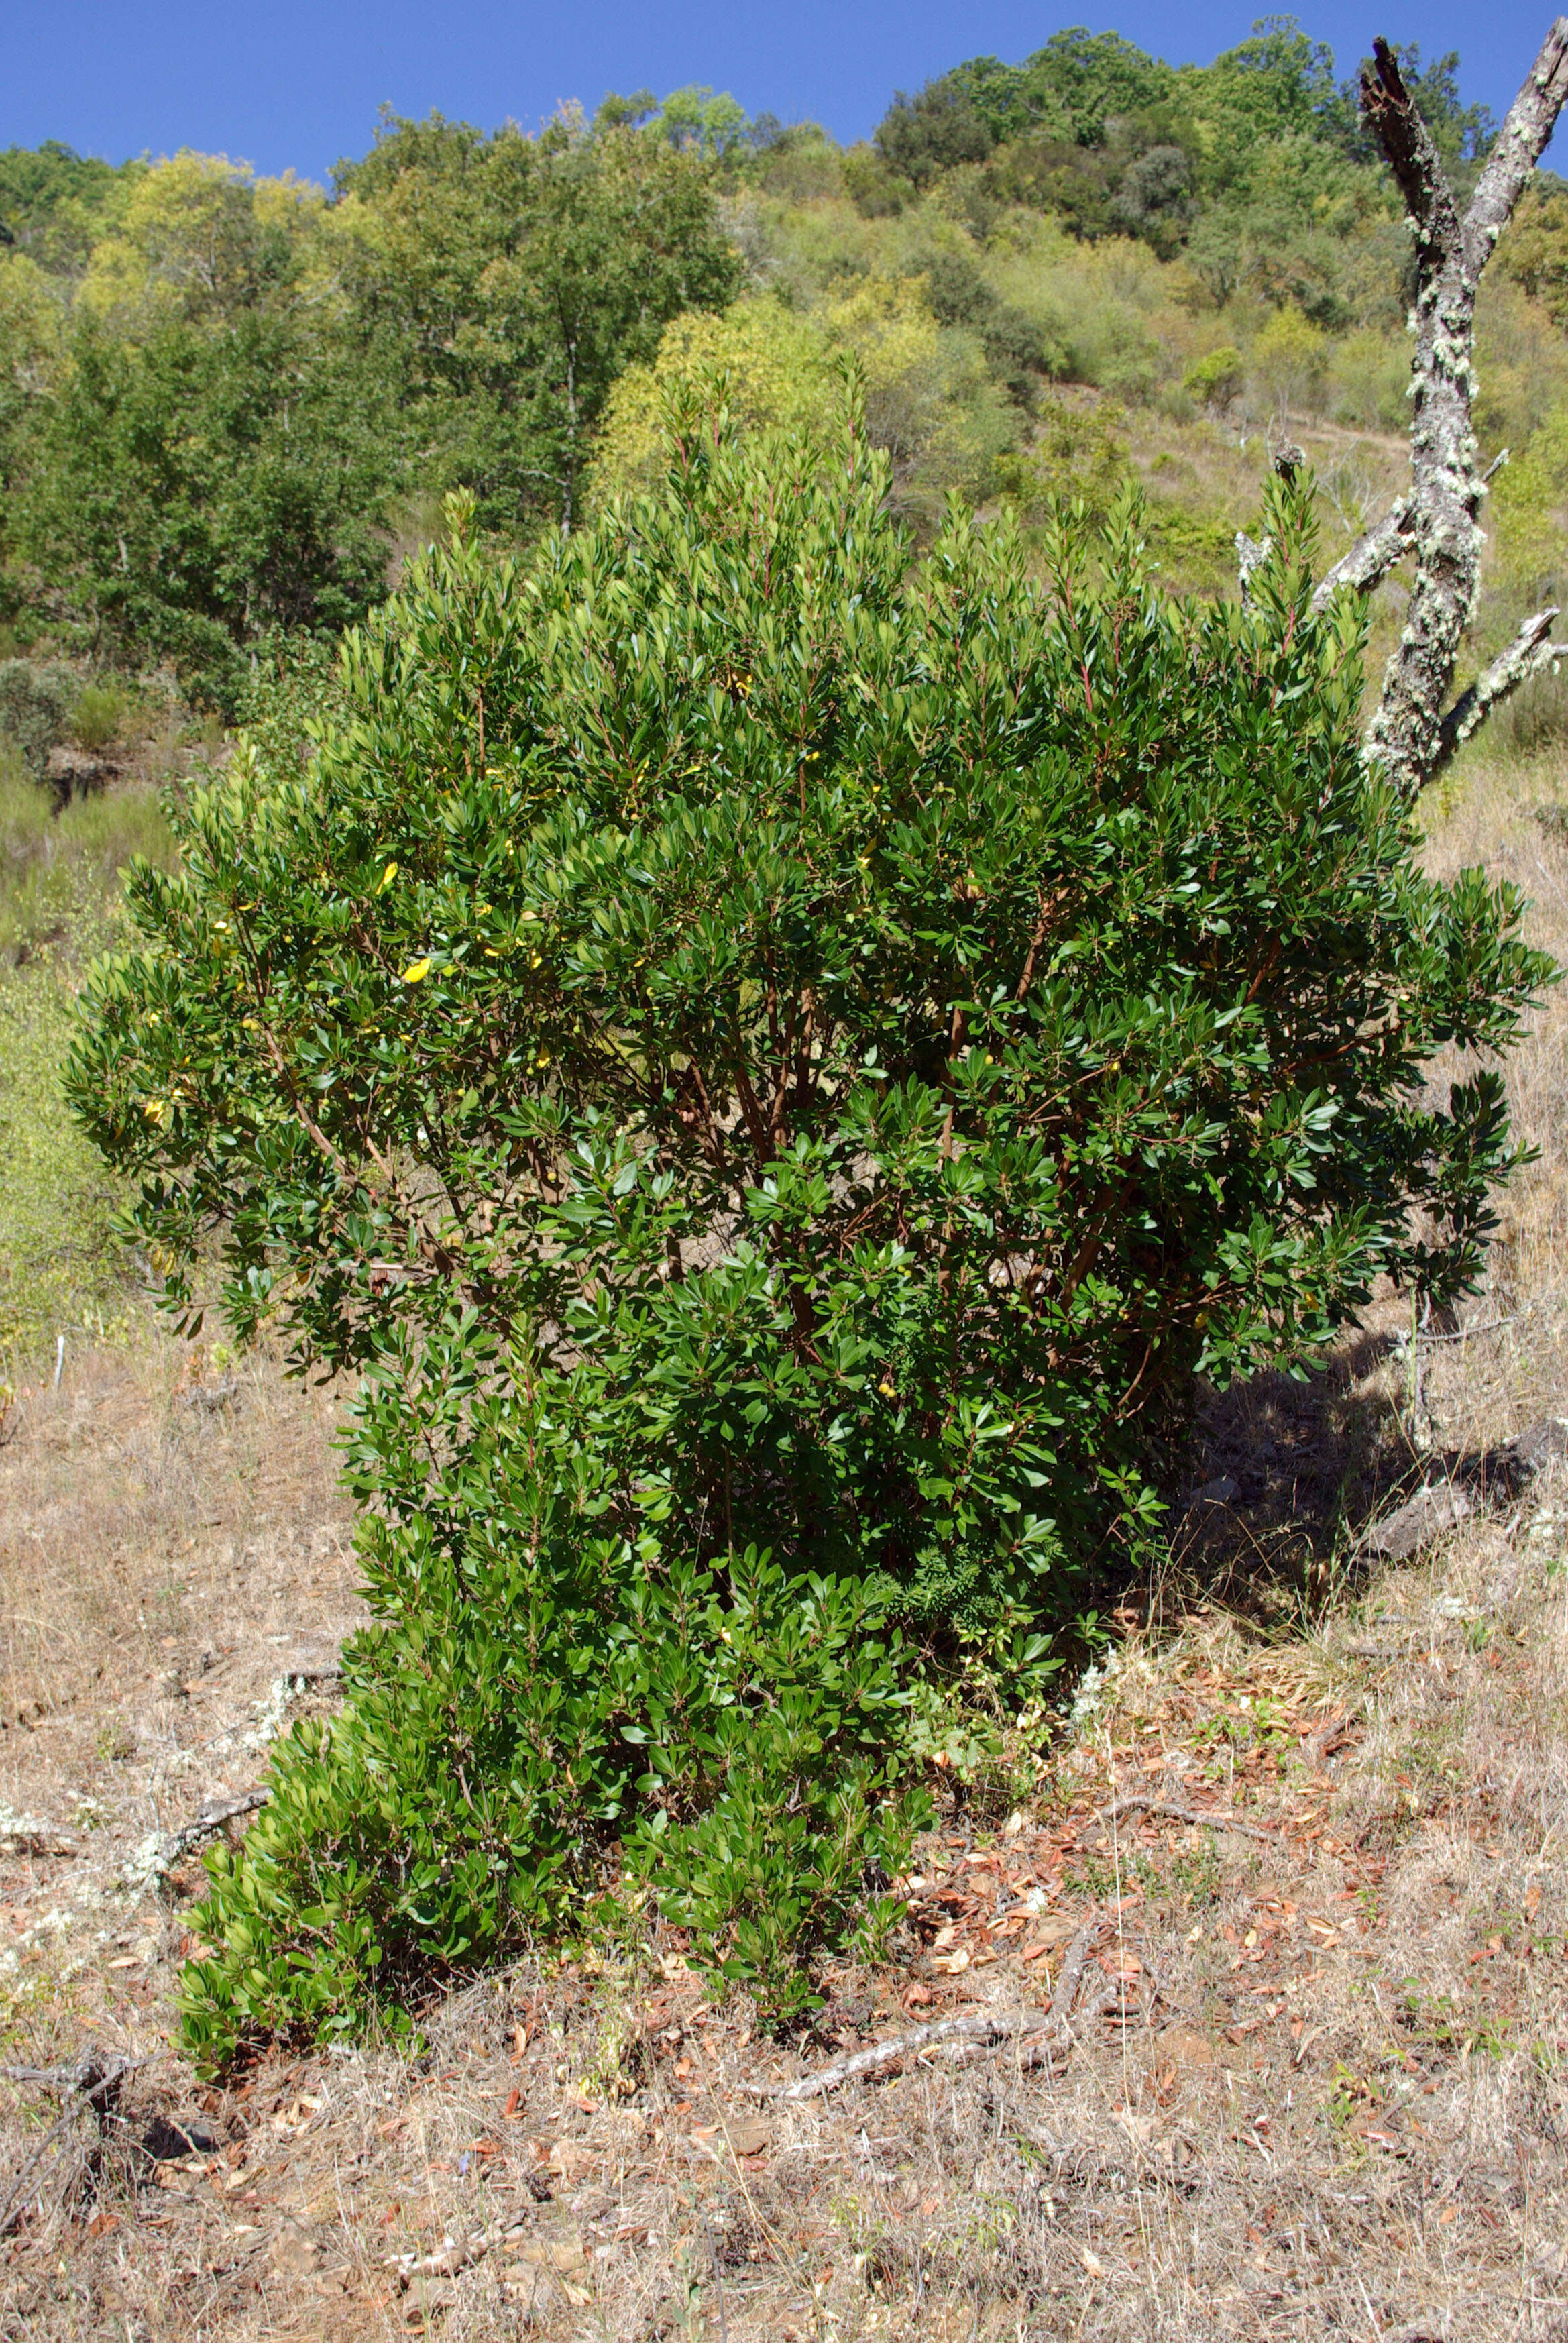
61 1271
1319 2080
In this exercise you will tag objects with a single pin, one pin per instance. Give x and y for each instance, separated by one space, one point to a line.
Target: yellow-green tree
927 399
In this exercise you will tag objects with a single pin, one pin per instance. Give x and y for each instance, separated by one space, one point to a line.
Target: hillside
231 405
1216 1983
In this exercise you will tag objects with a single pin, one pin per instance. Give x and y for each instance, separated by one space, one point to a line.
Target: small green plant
1254 1720
944 1730
98 716
1195 1874
1438 2021
1350 2094
1092 1878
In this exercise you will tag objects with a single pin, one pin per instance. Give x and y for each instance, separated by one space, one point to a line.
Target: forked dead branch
1411 731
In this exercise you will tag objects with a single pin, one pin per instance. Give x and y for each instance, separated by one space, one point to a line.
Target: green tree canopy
505 282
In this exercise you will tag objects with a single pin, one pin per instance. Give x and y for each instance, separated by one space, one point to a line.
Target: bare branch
211 1818
25 1835
96 2076
1520 142
1371 557
1530 653
1251 556
1394 120
1071 1975
92 2081
1410 734
998 2026
1137 1803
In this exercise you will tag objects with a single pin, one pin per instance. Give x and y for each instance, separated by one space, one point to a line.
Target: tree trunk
1410 734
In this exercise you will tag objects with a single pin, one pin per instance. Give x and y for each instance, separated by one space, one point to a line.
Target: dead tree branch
25 1835
1371 557
1410 734
1251 555
1530 653
1209 1817
999 2025
1071 1975
211 1818
92 2082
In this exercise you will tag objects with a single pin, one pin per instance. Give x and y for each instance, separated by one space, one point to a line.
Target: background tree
211 460
505 282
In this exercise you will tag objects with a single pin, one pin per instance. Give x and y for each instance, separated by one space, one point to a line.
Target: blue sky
300 82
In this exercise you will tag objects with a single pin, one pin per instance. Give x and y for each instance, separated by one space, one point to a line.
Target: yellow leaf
416 971
387 877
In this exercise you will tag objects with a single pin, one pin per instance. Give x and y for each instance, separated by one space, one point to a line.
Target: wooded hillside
230 405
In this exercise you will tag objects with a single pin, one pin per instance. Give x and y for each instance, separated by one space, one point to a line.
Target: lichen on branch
1440 521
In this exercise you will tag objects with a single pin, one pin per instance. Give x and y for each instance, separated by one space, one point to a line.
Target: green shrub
1078 455
36 698
780 1068
519 1709
97 716
1216 378
61 1270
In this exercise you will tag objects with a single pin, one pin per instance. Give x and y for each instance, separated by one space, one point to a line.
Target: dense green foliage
230 405
781 1070
217 421
505 282
206 486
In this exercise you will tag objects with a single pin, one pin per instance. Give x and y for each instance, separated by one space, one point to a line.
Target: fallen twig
1330 1736
211 1819
998 2026
1136 1803
451 2256
1071 1973
1105 1997
94 2081
92 2076
718 2281
11 2212
24 1834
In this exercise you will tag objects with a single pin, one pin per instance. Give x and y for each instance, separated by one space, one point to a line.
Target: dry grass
1317 2083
